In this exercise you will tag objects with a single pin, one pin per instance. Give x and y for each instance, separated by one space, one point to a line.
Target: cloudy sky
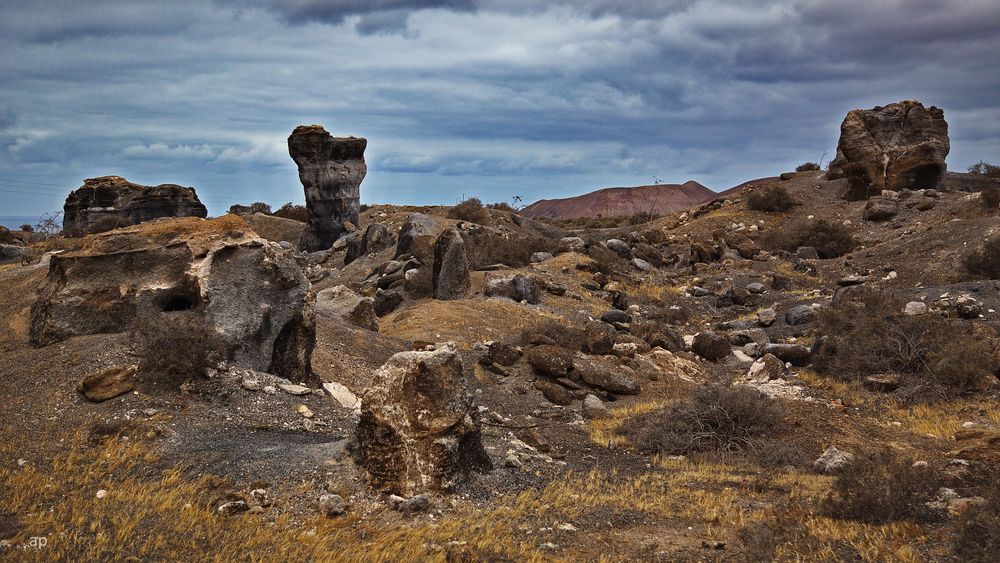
487 98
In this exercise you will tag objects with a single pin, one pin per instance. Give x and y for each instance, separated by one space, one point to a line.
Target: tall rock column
331 170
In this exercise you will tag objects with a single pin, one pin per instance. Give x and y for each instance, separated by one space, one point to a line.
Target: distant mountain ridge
622 201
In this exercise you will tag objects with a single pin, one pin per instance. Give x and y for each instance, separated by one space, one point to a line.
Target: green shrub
770 199
471 210
714 418
984 261
27 228
881 487
807 167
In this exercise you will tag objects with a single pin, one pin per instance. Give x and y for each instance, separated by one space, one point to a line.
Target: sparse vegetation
984 261
991 197
858 182
504 206
882 487
977 529
985 169
566 336
829 238
869 335
27 228
470 210
293 211
175 347
713 418
260 207
770 199
807 167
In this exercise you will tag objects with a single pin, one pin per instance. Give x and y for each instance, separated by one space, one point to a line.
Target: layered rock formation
114 196
248 290
417 432
331 170
901 145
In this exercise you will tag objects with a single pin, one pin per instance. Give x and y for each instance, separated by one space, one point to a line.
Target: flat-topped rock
116 197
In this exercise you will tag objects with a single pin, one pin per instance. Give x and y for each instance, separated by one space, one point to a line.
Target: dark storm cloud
481 97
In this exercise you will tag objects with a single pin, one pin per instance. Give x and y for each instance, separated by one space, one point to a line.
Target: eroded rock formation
417 432
114 196
248 290
331 170
901 145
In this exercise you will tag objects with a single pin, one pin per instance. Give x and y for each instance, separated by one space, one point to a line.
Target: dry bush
714 418
293 212
868 334
984 261
881 487
566 336
504 206
471 210
985 169
27 228
605 260
486 246
977 530
108 223
829 238
260 207
991 197
641 218
807 167
859 186
176 347
770 199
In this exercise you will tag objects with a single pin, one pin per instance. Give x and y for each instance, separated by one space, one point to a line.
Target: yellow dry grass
465 320
603 431
943 419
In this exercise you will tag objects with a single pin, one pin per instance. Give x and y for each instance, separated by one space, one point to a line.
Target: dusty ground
582 491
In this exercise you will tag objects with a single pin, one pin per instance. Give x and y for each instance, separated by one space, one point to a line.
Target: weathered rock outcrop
417 432
114 196
901 145
451 266
331 170
249 291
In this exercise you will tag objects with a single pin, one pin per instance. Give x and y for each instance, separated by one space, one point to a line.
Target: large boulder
451 266
901 145
341 304
417 432
373 240
416 236
128 203
247 290
331 170
517 287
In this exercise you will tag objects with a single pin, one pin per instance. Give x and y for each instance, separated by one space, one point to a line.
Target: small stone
832 460
756 288
293 389
233 507
807 253
642 264
260 497
767 317
711 346
612 316
593 407
304 411
915 308
416 504
800 314
332 505
342 395
251 384
101 493
540 257
270 389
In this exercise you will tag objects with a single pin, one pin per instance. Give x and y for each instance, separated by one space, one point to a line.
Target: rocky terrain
783 372
112 201
657 199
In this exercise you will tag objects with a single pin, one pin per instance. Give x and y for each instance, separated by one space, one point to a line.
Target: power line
31 182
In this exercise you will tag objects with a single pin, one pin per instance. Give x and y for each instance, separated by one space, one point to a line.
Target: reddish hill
620 202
